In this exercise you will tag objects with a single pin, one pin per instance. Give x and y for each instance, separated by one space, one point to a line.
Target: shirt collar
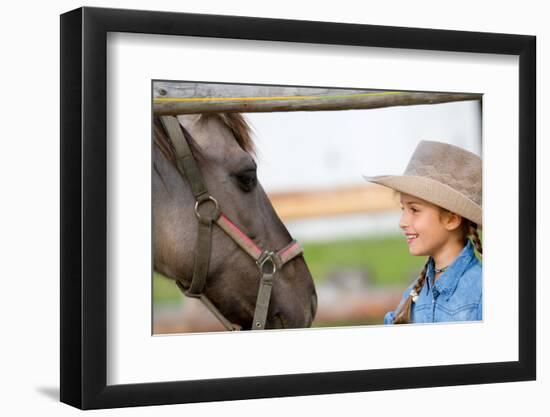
448 281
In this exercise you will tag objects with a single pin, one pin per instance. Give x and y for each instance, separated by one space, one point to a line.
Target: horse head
222 147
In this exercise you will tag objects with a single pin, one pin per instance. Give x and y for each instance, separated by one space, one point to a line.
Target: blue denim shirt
455 296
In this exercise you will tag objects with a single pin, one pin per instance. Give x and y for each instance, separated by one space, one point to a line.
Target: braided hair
474 237
403 315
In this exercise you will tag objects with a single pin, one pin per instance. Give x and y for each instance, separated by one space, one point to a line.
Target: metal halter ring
199 202
269 256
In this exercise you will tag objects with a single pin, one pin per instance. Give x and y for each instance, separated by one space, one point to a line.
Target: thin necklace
437 271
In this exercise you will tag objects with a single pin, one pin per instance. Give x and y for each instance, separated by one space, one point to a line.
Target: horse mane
235 122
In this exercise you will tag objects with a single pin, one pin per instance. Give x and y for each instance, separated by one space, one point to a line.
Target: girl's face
426 228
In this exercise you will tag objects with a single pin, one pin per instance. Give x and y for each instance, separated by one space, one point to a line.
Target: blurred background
353 246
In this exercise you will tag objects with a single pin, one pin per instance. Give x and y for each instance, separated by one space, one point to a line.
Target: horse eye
247 179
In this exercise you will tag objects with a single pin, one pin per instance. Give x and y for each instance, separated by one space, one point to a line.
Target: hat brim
432 191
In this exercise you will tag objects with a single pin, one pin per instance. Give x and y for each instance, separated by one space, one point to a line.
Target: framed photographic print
246 208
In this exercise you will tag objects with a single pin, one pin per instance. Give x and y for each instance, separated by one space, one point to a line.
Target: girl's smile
429 230
411 237
419 216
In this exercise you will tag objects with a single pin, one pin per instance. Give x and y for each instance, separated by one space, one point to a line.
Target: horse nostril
313 306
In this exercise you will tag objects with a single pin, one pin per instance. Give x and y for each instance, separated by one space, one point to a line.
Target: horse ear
189 120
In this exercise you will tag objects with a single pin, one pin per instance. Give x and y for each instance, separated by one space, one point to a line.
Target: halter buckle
215 213
267 263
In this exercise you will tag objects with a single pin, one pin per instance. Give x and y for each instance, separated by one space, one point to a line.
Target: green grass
385 260
165 290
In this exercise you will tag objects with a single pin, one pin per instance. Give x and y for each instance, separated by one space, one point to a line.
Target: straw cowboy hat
444 175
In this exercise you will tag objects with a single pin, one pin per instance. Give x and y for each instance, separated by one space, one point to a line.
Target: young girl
440 194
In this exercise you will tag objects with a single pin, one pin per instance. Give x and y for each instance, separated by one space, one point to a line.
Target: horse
223 149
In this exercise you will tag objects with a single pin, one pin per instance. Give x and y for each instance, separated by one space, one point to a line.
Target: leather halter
268 262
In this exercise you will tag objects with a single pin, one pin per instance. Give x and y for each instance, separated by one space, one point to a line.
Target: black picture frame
84 179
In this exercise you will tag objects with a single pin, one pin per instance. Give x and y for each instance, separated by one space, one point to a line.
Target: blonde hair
403 315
